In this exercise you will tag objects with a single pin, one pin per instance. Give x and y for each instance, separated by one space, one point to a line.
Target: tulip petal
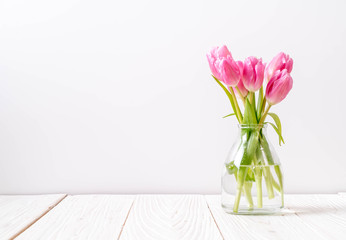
280 62
278 87
223 52
259 69
229 72
253 73
289 65
248 75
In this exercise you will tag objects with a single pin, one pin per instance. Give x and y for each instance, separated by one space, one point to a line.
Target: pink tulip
253 73
213 62
223 67
278 87
229 72
215 56
280 62
240 85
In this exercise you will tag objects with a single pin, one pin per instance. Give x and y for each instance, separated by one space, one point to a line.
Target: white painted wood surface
20 211
83 217
325 214
309 217
170 217
166 217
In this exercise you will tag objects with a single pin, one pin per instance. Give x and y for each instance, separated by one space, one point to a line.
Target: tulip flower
280 62
278 87
226 70
215 56
241 90
229 72
253 73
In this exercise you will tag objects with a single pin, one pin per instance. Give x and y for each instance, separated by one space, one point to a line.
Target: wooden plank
325 213
18 212
83 217
170 217
298 223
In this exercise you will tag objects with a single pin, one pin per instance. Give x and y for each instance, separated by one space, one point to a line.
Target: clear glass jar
252 180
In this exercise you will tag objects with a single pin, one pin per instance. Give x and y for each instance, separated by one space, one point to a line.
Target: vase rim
264 125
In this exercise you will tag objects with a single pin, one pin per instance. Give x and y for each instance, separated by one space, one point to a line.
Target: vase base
268 210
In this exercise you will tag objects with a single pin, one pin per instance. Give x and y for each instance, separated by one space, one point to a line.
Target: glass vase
252 180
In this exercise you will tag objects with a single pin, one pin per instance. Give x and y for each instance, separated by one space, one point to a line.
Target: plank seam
39 217
127 216
211 213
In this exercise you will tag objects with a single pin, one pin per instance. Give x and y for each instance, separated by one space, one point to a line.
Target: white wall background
116 96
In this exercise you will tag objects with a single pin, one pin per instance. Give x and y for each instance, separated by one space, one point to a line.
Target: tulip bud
223 67
278 87
280 62
243 91
229 72
213 62
253 73
215 56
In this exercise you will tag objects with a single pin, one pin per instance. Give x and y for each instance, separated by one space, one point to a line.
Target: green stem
236 105
264 114
276 186
258 176
270 161
279 187
251 97
260 102
266 149
269 184
259 190
240 95
247 158
237 200
253 100
280 178
253 104
263 105
247 189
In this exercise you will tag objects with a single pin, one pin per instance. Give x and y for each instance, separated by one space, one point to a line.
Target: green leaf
228 95
249 113
253 105
278 132
228 115
231 168
278 125
259 103
250 176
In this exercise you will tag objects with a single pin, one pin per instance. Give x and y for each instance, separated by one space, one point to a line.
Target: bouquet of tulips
241 80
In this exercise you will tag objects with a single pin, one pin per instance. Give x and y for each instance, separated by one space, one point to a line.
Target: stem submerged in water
258 175
269 184
249 153
256 163
240 183
247 189
259 190
279 174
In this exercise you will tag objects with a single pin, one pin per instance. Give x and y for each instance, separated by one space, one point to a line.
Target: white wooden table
165 217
